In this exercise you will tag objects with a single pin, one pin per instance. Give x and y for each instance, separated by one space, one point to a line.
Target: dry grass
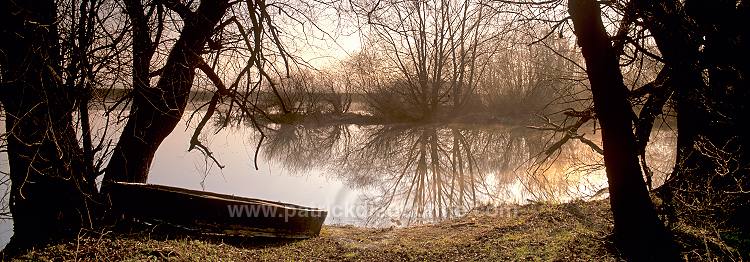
575 231
538 232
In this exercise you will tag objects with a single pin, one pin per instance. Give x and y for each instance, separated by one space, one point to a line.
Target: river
385 175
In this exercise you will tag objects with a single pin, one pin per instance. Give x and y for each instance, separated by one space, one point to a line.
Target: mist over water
400 174
386 175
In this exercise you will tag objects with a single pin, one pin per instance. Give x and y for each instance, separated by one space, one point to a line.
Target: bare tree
638 231
51 70
50 192
434 48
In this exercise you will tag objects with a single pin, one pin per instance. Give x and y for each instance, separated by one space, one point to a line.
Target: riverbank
576 231
534 232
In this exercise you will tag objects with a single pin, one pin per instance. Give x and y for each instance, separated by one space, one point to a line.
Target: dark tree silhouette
705 46
157 110
46 77
638 232
50 196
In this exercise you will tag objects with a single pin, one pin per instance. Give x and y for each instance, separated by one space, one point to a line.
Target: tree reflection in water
414 174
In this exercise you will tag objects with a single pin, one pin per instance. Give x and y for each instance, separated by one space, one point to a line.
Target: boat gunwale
219 196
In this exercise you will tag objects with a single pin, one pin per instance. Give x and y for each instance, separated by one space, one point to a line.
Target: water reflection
299 149
424 173
387 175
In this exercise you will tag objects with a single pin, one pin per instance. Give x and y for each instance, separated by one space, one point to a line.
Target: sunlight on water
393 175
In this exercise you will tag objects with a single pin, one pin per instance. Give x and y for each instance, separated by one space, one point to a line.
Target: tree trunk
638 232
50 196
157 111
698 38
712 112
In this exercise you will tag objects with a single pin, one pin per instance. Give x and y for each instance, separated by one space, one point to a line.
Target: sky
324 40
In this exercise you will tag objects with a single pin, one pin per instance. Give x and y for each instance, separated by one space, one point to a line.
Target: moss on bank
566 232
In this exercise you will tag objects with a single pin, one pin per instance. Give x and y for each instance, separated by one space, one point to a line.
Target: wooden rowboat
215 213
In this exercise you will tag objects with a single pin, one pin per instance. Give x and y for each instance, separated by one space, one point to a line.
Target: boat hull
215 213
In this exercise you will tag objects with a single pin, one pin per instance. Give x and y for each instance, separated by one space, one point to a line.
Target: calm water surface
395 174
392 175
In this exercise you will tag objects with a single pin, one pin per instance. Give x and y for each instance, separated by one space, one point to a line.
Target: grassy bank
568 232
533 232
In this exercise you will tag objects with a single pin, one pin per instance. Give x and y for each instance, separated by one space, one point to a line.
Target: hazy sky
325 39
